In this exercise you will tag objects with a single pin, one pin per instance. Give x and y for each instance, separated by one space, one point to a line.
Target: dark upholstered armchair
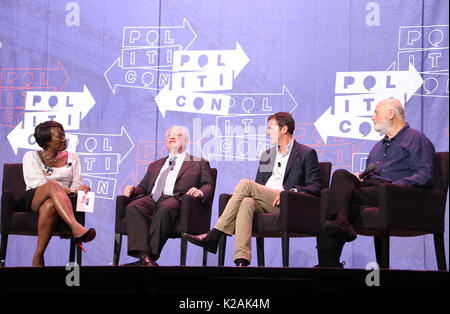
406 211
195 218
299 217
15 220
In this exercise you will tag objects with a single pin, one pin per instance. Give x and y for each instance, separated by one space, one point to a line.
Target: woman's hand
83 188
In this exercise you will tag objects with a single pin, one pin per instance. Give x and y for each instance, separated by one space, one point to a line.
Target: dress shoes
142 261
340 229
241 262
204 240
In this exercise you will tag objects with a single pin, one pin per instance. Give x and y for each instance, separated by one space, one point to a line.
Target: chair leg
260 251
384 249
377 243
117 248
205 257
183 252
4 245
72 250
285 248
222 246
439 248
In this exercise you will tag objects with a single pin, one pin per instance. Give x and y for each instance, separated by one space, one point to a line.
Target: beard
383 127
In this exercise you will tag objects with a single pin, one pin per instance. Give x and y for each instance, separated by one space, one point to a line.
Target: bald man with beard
404 156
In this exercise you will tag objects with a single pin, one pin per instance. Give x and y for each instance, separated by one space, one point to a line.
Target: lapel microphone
68 164
279 164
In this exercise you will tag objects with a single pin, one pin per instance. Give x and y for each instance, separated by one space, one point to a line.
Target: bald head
394 104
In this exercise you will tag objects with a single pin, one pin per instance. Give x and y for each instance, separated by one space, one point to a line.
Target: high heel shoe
88 236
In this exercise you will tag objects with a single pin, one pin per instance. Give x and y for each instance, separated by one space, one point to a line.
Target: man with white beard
404 156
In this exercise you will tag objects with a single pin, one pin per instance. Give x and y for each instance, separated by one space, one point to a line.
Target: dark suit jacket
302 169
193 173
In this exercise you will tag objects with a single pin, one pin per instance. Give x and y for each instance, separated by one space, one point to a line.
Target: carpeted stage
227 288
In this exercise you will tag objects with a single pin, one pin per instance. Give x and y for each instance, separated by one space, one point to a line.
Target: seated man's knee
247 206
243 185
340 173
131 209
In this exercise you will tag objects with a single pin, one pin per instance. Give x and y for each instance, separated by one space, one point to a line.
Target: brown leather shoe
203 240
143 261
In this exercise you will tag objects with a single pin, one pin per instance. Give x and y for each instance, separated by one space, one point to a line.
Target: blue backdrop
118 73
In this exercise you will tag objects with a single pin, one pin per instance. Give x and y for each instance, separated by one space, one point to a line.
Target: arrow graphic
30 78
262 103
89 143
350 115
152 79
56 101
156 36
208 60
21 137
379 82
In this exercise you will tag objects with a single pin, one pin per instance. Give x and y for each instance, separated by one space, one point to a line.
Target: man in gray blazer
287 166
152 214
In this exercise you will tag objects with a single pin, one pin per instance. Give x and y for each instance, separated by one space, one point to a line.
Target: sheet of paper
85 202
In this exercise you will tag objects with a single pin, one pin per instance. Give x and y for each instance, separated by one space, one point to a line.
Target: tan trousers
248 198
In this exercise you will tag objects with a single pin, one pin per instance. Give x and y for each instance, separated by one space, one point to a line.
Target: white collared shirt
279 168
172 175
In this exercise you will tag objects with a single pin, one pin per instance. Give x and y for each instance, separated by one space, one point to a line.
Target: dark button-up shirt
406 159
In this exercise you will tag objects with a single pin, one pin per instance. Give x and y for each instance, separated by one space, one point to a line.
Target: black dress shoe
143 261
340 229
203 240
241 262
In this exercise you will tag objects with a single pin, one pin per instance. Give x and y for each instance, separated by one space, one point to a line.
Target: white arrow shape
211 60
55 101
379 82
360 105
21 137
345 125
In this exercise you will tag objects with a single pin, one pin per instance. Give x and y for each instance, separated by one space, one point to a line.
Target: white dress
36 173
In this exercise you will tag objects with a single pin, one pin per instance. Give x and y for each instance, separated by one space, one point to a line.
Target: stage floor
226 287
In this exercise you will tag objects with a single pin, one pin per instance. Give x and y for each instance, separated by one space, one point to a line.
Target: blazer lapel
186 163
292 158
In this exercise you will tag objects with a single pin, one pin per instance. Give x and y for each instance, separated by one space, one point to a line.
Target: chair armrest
195 215
223 201
412 208
299 212
122 202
